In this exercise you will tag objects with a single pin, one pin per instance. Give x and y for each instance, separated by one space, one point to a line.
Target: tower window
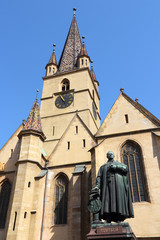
49 69
11 152
65 85
84 143
132 157
15 218
126 118
53 130
76 129
53 70
82 61
61 200
25 214
68 145
29 184
86 62
93 94
4 202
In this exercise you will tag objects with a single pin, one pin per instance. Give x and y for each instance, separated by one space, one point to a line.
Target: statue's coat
114 192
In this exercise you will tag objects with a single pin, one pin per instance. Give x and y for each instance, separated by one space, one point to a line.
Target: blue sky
122 38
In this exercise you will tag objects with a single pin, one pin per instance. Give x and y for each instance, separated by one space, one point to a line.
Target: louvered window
132 157
61 200
65 85
4 202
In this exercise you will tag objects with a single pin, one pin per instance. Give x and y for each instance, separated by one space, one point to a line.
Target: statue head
110 155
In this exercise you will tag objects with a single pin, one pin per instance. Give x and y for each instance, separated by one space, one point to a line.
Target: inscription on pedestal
110 230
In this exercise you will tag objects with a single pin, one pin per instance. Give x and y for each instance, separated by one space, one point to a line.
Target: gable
74 145
125 116
10 151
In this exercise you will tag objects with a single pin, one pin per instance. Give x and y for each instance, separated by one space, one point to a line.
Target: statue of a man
112 180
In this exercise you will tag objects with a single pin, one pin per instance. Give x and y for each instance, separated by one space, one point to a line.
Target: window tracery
132 156
61 200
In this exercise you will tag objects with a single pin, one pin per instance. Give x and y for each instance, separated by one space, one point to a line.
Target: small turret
51 67
94 76
83 59
32 130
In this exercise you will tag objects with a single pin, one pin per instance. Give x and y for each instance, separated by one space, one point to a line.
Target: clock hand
62 98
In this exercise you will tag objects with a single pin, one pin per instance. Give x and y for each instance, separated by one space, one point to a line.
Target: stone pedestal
117 231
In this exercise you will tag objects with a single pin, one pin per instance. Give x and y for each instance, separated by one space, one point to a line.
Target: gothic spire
71 48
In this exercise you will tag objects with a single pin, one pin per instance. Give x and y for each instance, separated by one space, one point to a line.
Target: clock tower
70 87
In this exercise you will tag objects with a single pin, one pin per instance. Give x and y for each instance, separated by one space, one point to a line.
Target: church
50 163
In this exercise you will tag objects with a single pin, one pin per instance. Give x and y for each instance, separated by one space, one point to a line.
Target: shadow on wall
78 217
10 164
156 147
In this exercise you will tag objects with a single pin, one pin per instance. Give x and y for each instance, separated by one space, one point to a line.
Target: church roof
71 48
33 121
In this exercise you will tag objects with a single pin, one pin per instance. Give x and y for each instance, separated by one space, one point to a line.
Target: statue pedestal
111 231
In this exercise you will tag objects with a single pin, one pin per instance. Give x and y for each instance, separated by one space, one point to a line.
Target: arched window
132 156
61 200
65 85
4 202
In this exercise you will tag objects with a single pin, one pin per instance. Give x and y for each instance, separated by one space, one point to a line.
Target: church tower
24 216
68 89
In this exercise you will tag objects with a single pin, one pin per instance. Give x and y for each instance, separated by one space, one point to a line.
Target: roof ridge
142 109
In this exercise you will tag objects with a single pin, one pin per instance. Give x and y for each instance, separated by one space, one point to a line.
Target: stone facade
68 144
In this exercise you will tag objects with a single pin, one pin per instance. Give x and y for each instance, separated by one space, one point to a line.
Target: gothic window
65 85
4 202
132 156
61 200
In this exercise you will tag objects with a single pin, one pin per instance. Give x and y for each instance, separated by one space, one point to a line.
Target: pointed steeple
33 120
83 51
83 59
71 48
51 67
53 59
93 75
33 123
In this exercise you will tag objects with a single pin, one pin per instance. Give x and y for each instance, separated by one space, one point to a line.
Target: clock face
94 111
64 100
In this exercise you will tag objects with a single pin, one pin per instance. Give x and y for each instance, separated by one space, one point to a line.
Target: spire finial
83 37
54 45
37 94
122 90
136 100
74 11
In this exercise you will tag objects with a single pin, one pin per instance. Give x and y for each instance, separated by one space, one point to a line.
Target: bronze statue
113 186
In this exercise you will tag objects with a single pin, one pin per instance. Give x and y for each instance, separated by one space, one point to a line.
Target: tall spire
71 48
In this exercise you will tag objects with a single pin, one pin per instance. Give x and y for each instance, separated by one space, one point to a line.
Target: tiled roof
71 48
53 59
83 51
93 74
143 110
34 122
